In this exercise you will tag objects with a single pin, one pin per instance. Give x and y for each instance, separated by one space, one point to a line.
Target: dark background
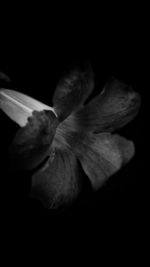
34 53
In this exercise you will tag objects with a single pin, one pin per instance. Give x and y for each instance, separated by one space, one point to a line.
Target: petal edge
102 155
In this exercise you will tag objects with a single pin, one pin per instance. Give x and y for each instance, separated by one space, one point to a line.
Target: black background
34 53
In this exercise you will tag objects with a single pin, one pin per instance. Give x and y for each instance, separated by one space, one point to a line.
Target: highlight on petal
102 155
57 182
72 90
113 108
32 142
18 106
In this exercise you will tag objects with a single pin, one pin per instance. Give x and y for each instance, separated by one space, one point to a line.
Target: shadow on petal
102 155
57 182
72 90
32 142
116 105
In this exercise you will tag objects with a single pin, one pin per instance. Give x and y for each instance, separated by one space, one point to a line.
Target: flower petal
102 155
57 182
113 108
72 90
32 142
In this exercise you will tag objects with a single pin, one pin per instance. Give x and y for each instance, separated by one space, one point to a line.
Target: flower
56 138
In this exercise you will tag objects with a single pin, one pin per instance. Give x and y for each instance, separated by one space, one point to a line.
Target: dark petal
117 105
72 90
57 182
32 142
102 155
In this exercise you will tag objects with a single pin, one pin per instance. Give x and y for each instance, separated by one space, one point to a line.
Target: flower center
64 130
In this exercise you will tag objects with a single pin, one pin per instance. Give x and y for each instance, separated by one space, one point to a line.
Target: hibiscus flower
56 138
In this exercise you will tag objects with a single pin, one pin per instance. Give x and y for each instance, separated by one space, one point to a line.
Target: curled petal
57 182
113 108
32 142
72 90
102 155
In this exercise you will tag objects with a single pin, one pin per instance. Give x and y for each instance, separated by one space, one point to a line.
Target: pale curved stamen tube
19 107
